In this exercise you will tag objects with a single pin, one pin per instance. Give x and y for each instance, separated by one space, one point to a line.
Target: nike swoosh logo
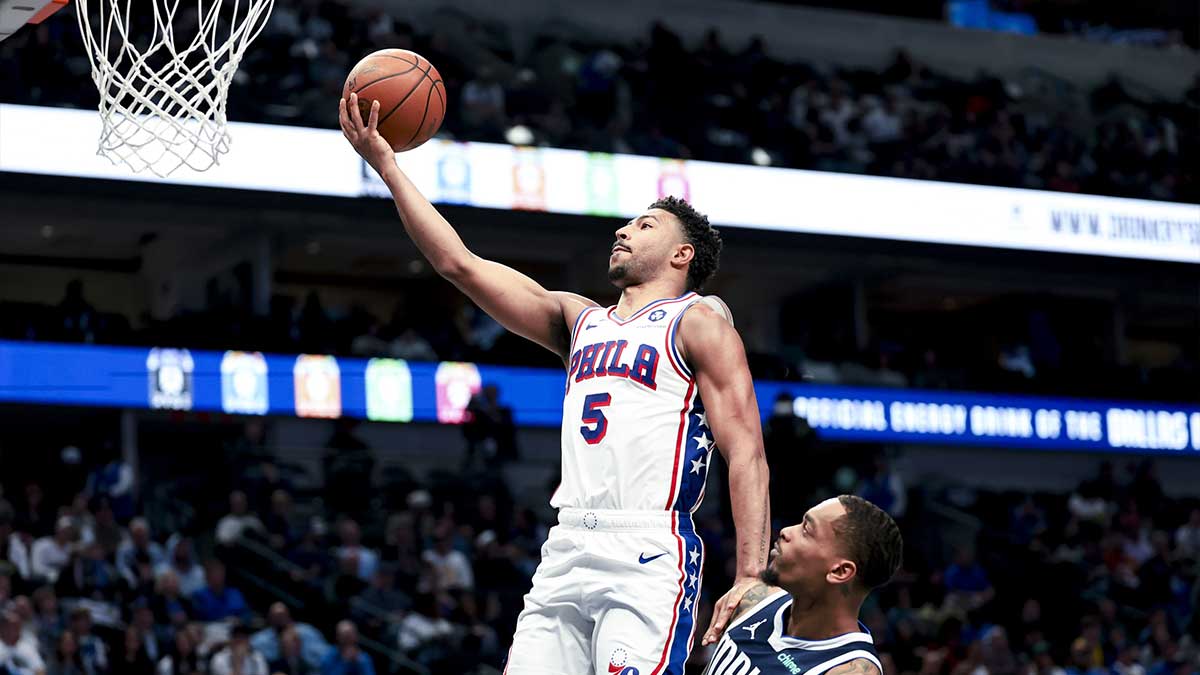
589 326
643 559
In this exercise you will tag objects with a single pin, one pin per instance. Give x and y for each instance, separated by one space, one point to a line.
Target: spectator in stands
19 656
92 650
89 574
170 604
139 555
483 106
239 657
108 533
67 659
966 579
291 659
424 633
216 601
268 640
134 659
1028 521
183 658
1187 537
371 342
114 480
238 522
364 560
346 658
490 432
153 639
281 529
409 345
50 555
48 622
451 568
13 551
35 517
380 605
81 517
183 564
884 488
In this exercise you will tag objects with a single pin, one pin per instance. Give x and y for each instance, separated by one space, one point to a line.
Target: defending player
653 385
803 616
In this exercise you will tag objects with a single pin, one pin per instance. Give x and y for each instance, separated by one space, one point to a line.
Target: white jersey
634 433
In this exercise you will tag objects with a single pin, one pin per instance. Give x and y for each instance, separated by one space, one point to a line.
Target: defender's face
643 247
803 554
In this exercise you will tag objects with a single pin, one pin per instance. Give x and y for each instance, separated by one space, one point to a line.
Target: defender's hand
365 137
725 608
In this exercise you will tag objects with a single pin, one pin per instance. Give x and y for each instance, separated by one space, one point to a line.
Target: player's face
804 553
644 247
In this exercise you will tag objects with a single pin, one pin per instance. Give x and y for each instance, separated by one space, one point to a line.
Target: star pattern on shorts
694 554
703 441
692 579
687 603
697 464
703 418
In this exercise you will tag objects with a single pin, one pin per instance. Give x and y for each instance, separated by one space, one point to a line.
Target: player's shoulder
572 305
855 667
707 316
753 597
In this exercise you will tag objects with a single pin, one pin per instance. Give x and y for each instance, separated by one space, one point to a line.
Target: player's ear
842 572
684 254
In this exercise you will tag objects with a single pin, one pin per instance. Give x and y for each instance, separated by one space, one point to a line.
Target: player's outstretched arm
517 302
718 359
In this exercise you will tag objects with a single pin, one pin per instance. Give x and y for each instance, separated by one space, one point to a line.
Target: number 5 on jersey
595 423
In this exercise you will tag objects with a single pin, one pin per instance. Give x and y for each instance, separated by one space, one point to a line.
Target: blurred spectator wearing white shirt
452 568
138 545
12 548
238 657
18 656
238 521
1187 537
50 554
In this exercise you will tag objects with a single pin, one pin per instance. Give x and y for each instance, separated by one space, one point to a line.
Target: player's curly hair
700 234
872 539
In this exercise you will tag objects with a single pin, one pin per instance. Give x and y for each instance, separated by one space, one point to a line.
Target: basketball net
163 91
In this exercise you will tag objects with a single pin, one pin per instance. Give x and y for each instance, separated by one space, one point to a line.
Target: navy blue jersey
758 644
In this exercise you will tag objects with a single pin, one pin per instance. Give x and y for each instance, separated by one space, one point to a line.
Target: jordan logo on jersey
611 359
752 628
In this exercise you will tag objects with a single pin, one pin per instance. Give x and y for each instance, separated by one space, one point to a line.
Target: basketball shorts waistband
613 519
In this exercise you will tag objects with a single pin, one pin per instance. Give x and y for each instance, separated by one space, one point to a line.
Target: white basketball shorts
614 594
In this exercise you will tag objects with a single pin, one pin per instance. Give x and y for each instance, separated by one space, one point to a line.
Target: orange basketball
411 95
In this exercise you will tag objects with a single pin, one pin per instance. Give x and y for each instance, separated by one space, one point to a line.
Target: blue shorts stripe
682 639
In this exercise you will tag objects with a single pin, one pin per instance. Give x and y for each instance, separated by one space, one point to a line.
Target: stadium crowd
428 574
570 90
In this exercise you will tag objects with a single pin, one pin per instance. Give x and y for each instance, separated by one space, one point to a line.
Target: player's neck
634 298
821 620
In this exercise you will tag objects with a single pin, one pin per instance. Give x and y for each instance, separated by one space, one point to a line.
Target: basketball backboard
17 13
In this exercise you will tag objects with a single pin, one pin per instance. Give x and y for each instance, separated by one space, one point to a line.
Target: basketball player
803 616
654 383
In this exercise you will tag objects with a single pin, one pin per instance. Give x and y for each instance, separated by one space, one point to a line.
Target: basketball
411 95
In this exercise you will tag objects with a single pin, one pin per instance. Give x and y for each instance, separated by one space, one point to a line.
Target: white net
163 70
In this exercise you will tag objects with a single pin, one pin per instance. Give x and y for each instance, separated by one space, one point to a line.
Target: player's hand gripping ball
411 95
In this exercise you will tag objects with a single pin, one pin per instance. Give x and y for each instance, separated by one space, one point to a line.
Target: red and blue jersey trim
612 311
